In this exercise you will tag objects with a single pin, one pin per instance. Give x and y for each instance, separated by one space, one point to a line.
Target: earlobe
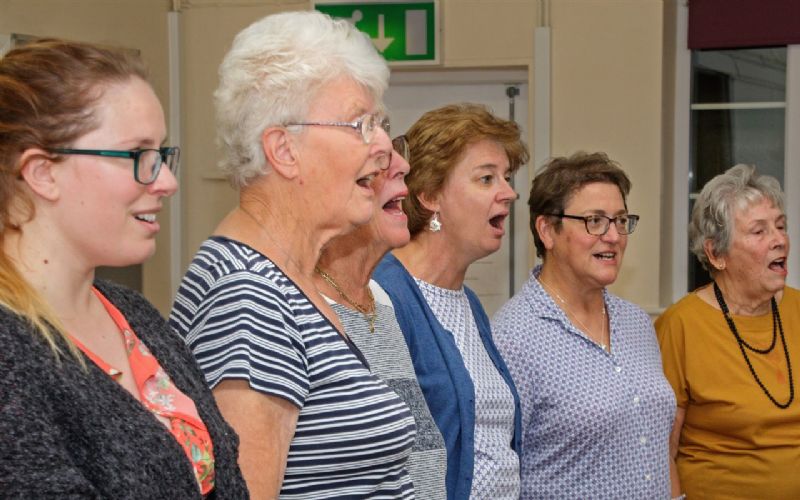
279 149
430 203
36 170
716 261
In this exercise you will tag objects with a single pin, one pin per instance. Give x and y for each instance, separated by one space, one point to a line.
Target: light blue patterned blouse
594 424
496 469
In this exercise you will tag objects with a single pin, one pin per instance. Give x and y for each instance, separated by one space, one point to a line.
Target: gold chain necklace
369 311
568 310
293 263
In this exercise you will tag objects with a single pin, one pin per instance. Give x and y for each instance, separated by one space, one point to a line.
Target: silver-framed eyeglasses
146 162
366 125
597 225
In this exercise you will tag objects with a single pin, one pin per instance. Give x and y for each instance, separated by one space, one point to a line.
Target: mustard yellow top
735 443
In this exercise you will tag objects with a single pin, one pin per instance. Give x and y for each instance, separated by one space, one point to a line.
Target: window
738 115
727 98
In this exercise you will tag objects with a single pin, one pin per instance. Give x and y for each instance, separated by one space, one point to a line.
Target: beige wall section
138 24
669 160
606 96
488 33
207 31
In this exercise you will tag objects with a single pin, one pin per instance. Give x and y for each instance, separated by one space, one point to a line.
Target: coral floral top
160 396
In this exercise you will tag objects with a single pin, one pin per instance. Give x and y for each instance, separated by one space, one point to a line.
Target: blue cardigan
440 370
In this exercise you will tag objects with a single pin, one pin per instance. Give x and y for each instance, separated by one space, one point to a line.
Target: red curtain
720 24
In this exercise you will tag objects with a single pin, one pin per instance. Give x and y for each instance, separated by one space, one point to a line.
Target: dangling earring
434 225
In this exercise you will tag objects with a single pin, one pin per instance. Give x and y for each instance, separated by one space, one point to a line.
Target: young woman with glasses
596 408
98 398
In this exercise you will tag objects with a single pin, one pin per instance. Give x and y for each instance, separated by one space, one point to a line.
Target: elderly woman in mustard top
728 348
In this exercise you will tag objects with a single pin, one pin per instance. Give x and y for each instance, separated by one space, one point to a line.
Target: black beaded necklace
777 326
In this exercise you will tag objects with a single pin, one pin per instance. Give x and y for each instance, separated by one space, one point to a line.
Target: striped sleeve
238 322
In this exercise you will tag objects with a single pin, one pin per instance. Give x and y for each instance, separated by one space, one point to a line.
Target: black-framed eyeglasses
366 125
400 146
146 162
597 225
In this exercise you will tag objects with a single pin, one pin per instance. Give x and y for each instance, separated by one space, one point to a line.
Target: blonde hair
48 92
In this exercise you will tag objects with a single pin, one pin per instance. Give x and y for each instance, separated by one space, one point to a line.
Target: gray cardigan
69 433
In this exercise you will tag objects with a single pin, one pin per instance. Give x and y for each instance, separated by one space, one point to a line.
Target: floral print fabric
160 396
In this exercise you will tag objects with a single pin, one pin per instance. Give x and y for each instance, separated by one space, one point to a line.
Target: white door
412 93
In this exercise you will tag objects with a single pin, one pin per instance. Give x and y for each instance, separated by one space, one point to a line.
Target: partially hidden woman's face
337 167
476 200
591 260
105 216
757 257
389 224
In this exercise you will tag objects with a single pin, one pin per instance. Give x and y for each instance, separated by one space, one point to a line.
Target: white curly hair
274 68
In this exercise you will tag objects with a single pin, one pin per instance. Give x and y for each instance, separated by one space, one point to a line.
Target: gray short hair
713 215
273 70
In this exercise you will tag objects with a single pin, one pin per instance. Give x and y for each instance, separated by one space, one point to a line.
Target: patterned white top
388 357
245 319
496 469
594 424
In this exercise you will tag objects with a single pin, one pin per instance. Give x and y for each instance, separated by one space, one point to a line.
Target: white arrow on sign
381 42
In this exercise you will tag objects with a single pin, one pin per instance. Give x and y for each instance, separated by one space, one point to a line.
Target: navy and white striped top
245 319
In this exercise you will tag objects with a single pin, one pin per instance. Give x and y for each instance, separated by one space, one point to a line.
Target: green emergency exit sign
403 32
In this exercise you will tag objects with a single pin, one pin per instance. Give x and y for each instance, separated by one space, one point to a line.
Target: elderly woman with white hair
299 116
728 348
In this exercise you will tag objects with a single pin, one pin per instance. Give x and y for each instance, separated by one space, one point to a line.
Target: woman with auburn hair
98 397
462 159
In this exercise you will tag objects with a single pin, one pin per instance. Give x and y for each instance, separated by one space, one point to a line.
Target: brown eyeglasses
400 145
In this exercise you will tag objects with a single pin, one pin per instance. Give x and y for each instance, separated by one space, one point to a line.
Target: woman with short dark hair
596 409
